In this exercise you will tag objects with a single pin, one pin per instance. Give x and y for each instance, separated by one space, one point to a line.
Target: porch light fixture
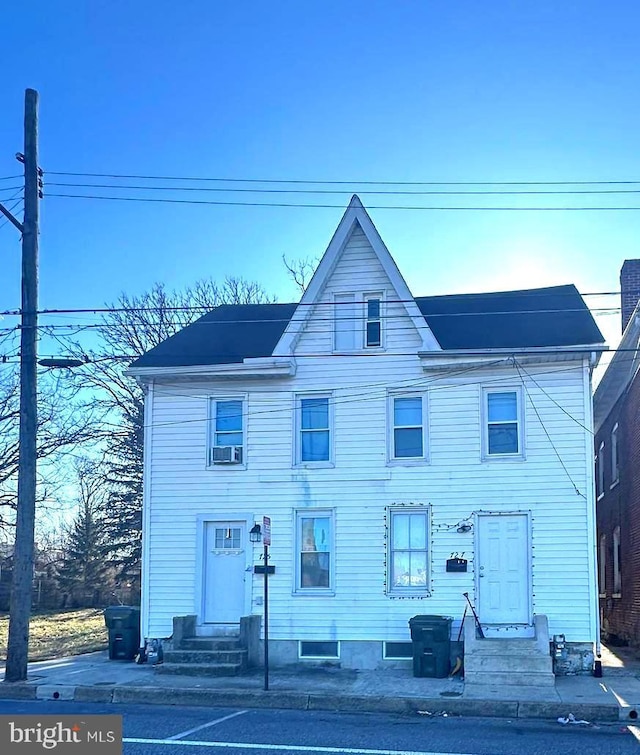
255 533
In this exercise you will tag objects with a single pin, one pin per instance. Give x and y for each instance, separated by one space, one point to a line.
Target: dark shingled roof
555 316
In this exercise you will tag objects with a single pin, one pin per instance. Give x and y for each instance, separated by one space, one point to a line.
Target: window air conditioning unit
226 455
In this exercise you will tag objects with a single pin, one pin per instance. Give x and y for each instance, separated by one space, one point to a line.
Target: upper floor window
314 420
344 334
227 431
615 459
315 550
503 422
408 550
409 438
373 320
600 471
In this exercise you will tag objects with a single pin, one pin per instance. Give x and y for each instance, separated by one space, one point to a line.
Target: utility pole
21 587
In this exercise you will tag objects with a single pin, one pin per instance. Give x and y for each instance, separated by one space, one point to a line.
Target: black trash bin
431 637
123 625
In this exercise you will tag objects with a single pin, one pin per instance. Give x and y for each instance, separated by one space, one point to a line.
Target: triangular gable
355 213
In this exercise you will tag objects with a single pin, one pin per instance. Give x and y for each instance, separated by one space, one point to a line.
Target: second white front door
503 569
224 572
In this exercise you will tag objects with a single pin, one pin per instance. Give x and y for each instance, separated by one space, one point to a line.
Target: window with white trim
617 574
502 436
344 319
373 321
615 458
408 550
602 565
314 550
408 420
314 419
600 471
226 434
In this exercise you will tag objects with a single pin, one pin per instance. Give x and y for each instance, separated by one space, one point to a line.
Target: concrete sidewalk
94 678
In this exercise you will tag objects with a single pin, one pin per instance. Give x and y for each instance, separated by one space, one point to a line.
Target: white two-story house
383 434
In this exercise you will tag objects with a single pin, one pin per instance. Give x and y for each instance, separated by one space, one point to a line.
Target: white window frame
617 573
366 298
298 515
297 445
407 460
615 457
600 472
602 566
419 590
212 402
486 392
351 315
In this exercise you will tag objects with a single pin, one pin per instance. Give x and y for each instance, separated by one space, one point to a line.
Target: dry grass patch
60 633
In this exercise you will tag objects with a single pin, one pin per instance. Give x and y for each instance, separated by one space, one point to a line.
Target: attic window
373 324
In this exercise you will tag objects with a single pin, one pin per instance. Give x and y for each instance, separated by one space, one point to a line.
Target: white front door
503 568
224 572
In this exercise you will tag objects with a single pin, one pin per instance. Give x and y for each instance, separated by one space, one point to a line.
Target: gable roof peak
356 203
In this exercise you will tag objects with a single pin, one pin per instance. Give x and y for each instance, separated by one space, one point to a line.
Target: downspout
591 510
146 510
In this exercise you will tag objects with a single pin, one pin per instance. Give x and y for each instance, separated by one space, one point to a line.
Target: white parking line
205 726
285 748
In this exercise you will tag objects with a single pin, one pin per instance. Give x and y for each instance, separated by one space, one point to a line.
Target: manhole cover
451 693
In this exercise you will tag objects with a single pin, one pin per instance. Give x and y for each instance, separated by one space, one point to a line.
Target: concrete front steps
510 662
222 654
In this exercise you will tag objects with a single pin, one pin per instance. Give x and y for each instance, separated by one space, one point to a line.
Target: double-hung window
408 550
600 471
373 321
408 419
502 436
615 458
314 551
617 573
313 430
227 431
344 334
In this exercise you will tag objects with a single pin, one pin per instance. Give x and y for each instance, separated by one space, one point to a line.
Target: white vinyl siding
502 432
360 487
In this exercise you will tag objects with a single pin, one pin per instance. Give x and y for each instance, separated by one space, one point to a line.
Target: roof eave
258 367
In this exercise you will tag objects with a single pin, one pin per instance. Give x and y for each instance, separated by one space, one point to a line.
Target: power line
9 178
338 183
341 192
340 206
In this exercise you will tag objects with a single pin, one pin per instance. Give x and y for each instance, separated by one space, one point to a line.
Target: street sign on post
266 541
266 530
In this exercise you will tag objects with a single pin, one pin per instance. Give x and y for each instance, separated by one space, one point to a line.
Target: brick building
617 454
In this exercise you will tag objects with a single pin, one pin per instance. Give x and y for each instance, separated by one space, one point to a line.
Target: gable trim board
233 350
355 215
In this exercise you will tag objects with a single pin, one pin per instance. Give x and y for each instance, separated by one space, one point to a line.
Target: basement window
314 649
397 651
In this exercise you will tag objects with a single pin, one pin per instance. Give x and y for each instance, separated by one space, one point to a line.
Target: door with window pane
224 572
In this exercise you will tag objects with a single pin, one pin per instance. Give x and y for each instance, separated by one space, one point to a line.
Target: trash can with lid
431 637
123 626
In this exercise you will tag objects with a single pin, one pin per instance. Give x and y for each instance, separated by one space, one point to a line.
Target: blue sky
334 91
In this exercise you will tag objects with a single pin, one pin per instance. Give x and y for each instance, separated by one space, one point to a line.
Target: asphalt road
171 730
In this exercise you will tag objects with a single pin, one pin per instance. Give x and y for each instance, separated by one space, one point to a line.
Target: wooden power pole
20 606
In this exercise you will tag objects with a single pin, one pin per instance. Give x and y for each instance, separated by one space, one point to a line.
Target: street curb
17 691
604 712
